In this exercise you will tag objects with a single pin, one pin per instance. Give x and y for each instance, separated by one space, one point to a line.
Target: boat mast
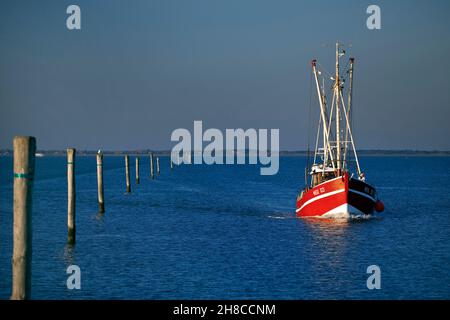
337 91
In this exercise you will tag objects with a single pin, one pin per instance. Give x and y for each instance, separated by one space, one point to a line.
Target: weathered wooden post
101 203
127 173
137 170
157 166
152 173
71 196
24 159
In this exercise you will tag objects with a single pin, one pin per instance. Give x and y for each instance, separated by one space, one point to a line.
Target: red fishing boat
335 184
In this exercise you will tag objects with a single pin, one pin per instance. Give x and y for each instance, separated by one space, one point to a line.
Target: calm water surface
225 232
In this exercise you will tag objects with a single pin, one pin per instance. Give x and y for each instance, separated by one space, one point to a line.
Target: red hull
336 197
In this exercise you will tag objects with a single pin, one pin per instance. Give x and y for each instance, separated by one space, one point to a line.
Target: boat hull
341 196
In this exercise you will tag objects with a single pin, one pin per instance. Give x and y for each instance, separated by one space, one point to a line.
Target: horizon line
223 150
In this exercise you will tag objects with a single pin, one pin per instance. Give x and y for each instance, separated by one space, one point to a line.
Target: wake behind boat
335 184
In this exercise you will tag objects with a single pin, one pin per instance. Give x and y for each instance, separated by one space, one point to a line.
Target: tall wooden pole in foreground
71 196
24 158
152 172
127 173
137 170
101 203
157 166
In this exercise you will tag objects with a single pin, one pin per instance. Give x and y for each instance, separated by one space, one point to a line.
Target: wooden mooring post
157 166
152 170
101 202
137 170
24 159
127 173
71 196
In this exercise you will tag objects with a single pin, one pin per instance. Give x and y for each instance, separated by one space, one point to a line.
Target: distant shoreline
7 152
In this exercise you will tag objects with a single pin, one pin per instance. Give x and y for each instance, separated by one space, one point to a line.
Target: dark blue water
225 232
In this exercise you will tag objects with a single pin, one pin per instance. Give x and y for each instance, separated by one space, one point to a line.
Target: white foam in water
277 217
345 216
336 215
282 216
363 217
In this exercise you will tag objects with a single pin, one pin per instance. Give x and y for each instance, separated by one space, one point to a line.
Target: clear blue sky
139 69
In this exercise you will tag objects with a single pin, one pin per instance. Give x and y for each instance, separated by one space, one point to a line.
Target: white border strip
320 197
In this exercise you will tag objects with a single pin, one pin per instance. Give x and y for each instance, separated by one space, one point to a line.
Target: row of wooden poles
101 202
24 164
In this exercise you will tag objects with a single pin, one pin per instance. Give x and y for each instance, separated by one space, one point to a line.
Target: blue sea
226 232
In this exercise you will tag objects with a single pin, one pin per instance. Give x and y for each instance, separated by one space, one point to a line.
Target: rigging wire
309 127
322 68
